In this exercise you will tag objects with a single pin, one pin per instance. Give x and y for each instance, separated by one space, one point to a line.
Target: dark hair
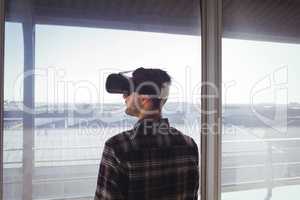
156 77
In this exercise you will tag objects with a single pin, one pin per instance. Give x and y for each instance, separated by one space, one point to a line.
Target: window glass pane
261 101
76 45
74 63
13 122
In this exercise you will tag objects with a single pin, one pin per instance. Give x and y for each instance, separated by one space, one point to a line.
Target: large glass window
13 122
261 101
74 51
73 64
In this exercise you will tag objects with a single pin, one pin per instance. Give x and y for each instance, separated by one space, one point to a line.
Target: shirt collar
151 126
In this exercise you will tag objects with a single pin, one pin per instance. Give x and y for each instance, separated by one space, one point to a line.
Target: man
152 160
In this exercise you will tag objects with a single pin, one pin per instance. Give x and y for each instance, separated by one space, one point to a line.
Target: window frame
211 32
211 108
2 32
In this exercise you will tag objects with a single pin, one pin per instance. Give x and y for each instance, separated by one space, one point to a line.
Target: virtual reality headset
119 83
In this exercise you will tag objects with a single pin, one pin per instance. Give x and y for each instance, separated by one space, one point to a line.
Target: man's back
151 161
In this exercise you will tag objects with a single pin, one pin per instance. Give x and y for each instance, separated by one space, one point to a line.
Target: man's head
150 93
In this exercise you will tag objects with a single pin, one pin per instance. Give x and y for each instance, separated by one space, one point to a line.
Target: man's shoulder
188 139
123 141
120 140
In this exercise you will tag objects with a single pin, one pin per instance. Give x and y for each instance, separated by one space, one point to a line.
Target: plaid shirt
150 161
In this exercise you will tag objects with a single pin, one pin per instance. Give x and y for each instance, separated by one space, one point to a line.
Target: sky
73 62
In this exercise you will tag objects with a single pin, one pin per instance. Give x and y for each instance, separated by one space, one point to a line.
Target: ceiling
269 20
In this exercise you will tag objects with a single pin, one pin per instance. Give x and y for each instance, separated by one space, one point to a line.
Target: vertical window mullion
28 100
2 21
211 105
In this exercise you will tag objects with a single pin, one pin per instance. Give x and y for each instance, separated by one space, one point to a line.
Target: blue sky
71 61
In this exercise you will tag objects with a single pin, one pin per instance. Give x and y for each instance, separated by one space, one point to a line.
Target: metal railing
262 182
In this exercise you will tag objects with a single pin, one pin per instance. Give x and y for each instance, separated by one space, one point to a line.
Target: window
74 63
261 107
13 122
73 115
77 43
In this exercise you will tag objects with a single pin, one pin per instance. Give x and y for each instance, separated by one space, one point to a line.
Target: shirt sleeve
197 175
111 183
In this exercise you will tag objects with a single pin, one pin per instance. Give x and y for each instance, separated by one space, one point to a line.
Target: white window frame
211 99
